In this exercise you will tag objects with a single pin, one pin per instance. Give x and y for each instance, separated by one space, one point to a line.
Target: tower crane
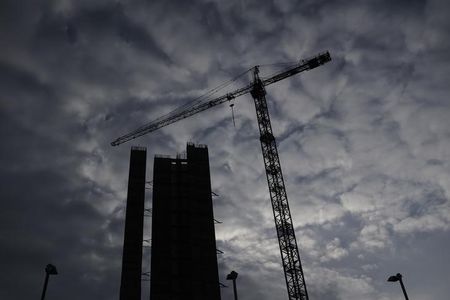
293 272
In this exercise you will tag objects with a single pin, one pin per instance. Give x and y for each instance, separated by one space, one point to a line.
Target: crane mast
290 256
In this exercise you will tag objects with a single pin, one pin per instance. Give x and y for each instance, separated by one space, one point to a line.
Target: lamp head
393 278
232 276
51 269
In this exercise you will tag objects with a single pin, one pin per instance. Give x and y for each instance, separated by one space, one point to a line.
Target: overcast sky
364 141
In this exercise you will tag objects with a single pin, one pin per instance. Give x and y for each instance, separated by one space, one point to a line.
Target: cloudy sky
364 140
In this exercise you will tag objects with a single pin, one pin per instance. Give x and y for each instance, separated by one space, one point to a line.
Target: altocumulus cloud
364 141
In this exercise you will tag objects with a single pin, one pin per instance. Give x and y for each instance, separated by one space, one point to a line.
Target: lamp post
232 276
49 270
398 277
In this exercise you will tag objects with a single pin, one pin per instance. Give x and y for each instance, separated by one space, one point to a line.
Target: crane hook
232 114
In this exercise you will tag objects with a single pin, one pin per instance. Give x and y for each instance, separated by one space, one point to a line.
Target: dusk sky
364 140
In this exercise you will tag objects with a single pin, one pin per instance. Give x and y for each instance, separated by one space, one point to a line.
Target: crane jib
303 65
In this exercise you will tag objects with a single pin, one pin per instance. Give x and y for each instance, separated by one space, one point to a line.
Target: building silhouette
183 257
130 285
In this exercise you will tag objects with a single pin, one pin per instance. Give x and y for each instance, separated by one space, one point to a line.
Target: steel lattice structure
290 256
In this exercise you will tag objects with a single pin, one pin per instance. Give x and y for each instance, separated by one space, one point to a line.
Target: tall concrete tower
130 286
183 257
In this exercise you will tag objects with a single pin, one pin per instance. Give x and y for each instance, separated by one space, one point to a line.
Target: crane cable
200 99
207 97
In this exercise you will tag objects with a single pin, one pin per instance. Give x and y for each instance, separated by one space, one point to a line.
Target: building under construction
130 285
183 257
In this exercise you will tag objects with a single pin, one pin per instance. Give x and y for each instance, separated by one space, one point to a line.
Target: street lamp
232 276
49 270
398 277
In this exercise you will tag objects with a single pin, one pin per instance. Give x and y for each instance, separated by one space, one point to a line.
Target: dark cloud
364 140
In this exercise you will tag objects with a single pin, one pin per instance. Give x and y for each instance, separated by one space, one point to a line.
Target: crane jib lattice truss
293 272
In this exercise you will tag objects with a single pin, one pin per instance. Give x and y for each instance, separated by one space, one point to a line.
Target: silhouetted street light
232 276
49 270
398 277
